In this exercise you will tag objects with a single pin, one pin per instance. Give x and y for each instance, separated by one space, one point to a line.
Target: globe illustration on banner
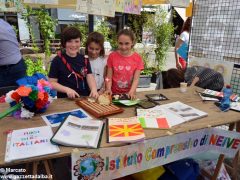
88 166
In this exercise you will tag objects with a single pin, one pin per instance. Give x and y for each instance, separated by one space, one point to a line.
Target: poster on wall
179 3
147 37
116 162
96 7
129 6
54 2
223 67
9 5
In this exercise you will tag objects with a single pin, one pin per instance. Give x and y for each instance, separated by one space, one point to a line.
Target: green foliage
103 28
83 28
34 66
46 24
109 35
26 15
163 33
147 69
135 22
160 27
47 27
16 30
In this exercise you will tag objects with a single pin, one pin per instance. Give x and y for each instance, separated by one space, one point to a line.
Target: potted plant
146 74
159 26
162 30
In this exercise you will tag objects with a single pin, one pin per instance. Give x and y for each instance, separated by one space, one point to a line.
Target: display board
9 5
215 33
129 6
96 7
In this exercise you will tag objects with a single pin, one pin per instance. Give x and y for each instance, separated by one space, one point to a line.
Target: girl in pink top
124 66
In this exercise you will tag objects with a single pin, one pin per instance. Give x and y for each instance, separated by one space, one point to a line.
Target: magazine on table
79 132
30 142
218 95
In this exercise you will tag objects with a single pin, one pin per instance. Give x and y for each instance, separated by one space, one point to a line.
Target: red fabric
123 70
182 62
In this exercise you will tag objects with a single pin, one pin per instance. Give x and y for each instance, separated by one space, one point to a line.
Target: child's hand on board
94 94
132 95
107 91
71 93
101 91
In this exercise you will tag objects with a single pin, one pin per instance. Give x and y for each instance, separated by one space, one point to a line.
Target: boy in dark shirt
70 73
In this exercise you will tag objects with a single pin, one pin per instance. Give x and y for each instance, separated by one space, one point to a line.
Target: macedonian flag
125 130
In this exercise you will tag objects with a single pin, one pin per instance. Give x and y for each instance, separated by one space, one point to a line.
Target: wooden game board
98 110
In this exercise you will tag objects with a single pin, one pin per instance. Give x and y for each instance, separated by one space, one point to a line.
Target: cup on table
183 87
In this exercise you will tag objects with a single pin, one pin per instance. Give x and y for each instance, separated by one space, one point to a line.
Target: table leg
233 169
35 168
46 166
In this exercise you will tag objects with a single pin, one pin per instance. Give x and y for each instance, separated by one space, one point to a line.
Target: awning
72 3
181 12
151 2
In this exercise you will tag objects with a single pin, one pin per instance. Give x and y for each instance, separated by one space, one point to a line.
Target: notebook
153 118
125 130
183 50
31 142
79 132
55 119
218 95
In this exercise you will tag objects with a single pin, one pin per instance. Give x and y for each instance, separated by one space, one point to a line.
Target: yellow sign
189 10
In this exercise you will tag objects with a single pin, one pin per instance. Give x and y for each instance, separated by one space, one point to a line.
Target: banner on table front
115 162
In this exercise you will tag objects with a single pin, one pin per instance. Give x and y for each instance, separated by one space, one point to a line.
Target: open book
31 142
79 132
183 111
125 130
168 115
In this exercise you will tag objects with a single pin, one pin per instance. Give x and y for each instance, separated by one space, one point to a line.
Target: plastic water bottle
225 102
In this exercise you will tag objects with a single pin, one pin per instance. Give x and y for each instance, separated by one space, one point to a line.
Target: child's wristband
107 79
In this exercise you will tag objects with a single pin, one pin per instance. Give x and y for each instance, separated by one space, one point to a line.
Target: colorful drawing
88 166
55 119
153 118
129 6
125 130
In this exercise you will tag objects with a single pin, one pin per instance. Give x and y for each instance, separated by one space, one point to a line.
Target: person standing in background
124 66
181 63
96 54
12 66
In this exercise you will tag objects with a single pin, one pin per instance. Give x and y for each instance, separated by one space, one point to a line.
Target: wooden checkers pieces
98 110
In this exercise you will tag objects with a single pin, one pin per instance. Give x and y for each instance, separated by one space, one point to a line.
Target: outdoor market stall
215 118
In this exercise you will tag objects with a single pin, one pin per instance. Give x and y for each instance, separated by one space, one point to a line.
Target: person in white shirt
96 54
181 63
